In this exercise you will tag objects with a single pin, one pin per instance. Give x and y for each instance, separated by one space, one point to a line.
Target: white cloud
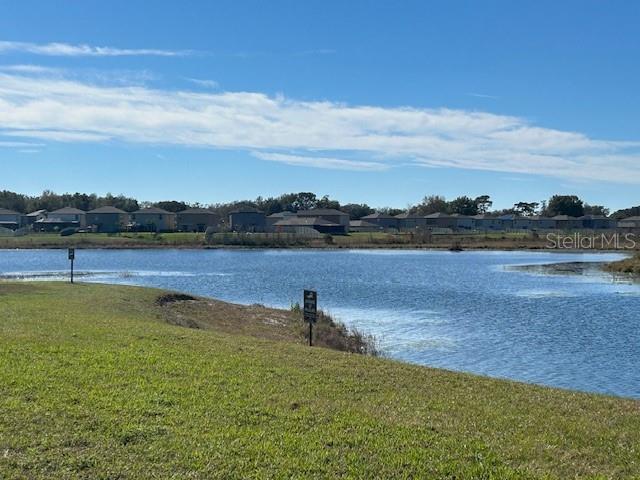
319 134
82 50
321 162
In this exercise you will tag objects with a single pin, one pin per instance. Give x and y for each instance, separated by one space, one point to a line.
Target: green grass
123 240
94 383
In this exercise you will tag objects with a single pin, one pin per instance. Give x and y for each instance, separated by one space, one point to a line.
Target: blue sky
377 102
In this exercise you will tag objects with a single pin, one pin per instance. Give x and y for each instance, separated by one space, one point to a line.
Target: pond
468 311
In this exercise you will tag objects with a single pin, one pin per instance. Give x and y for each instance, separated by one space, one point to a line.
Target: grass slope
94 383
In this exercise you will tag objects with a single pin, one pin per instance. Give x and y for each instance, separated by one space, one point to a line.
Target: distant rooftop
197 210
154 210
320 211
107 209
68 211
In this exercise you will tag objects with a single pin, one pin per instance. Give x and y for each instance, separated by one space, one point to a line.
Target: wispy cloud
203 82
83 50
482 95
318 134
321 162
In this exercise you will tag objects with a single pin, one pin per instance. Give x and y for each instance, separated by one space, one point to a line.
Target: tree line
570 205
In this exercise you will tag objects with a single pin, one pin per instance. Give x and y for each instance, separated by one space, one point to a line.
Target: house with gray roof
247 219
486 222
67 217
381 220
629 223
598 222
197 220
30 218
153 219
294 223
567 222
276 217
409 222
364 226
539 222
329 214
10 219
107 219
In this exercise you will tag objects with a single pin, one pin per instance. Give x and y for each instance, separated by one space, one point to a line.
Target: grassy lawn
99 382
54 240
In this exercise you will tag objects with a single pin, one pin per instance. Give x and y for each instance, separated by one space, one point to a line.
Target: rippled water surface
465 311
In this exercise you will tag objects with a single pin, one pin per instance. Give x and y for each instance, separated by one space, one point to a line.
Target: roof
438 215
37 213
107 209
154 210
305 221
407 215
284 214
68 211
564 217
55 220
199 211
246 210
378 215
4 211
362 223
509 216
320 211
630 219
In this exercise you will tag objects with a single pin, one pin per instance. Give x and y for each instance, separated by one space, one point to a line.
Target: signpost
72 257
310 311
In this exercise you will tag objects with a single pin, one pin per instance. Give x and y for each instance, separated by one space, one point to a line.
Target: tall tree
565 205
430 204
484 203
596 210
526 208
356 210
464 206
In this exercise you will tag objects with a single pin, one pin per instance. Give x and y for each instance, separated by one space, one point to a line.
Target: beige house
153 219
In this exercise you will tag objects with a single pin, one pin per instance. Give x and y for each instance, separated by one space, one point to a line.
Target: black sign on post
72 257
310 311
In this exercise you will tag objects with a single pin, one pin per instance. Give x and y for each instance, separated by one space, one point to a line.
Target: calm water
462 311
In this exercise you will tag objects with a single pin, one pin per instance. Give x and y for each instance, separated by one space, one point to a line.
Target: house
73 216
364 226
567 222
461 222
411 222
381 220
523 223
598 222
153 219
542 223
30 218
107 219
276 217
508 221
329 214
294 224
60 219
629 223
486 222
197 220
247 220
10 219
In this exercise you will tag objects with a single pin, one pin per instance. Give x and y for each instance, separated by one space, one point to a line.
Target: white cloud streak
315 134
82 50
